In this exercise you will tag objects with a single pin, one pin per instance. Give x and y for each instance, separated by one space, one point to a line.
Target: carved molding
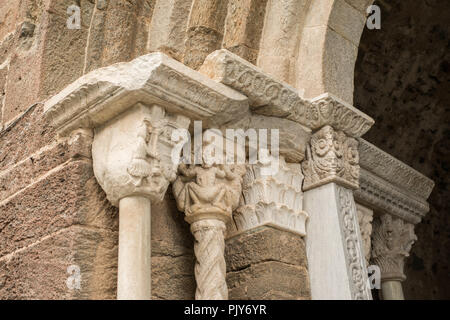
275 200
365 218
394 171
392 239
331 157
382 196
103 94
352 245
271 97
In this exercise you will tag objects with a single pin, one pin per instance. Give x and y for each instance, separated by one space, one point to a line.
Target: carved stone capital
132 154
365 218
275 200
208 191
331 157
392 239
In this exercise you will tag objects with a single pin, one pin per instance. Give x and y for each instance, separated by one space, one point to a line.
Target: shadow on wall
402 77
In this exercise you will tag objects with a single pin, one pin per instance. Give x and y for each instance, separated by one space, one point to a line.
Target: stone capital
208 190
332 156
132 154
392 239
275 200
365 218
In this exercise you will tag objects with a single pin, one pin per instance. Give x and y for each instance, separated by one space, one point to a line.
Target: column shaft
210 268
392 290
134 269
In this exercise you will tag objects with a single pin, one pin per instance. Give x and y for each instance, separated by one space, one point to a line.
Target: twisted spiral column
210 267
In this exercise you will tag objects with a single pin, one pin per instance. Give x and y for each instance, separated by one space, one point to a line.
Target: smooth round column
134 266
392 290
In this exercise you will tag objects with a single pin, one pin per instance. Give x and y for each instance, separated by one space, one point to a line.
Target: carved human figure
208 194
331 156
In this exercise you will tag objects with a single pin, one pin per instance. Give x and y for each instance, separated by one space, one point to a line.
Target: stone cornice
155 78
390 186
271 97
393 170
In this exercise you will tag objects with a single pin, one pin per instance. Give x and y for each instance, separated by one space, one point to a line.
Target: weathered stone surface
168 27
23 138
172 252
269 280
243 27
27 171
173 277
40 270
264 244
67 195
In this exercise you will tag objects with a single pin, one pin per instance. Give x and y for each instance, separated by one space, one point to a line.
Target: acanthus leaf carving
392 240
275 200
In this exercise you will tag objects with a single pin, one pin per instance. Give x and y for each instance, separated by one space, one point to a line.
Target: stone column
334 247
132 163
265 245
208 193
391 242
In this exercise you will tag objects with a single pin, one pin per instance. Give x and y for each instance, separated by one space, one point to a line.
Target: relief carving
331 157
275 200
352 245
392 240
208 194
365 217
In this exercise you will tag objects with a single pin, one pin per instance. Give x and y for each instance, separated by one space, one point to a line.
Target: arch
328 47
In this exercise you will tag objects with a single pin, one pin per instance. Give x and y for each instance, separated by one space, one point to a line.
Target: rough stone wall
402 79
267 263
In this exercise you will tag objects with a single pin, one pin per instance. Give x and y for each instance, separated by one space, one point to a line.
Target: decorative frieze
365 218
352 245
393 170
271 97
392 239
275 200
390 186
331 157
